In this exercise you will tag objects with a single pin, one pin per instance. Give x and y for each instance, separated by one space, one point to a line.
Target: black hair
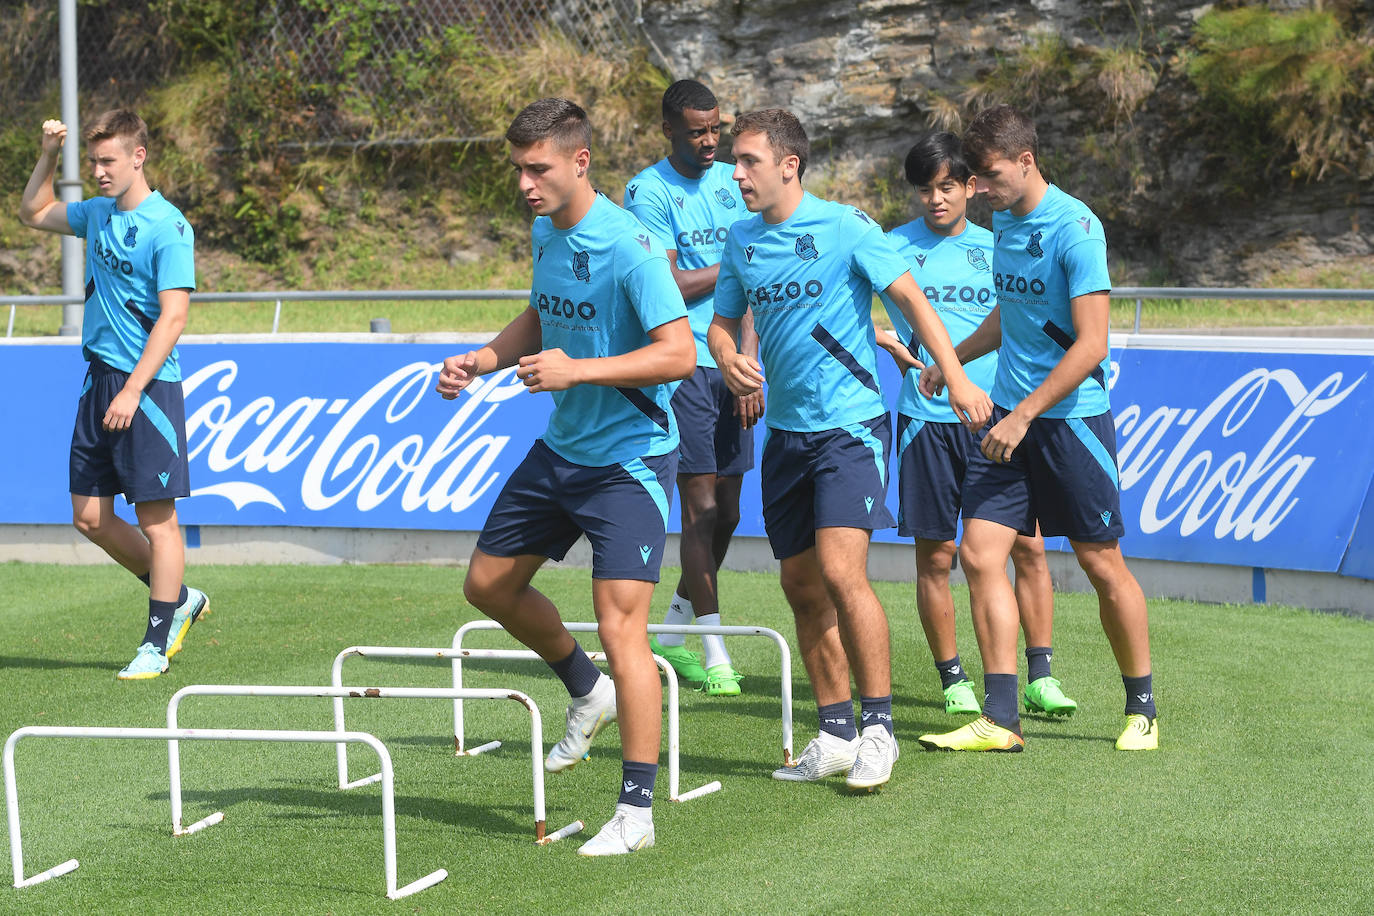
930 152
685 94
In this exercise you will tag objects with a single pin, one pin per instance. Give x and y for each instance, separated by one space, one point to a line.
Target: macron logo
749 253
163 477
645 551
868 501
630 786
921 260
1107 517
155 621
1142 697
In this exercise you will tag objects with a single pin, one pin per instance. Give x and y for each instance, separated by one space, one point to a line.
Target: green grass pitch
1260 800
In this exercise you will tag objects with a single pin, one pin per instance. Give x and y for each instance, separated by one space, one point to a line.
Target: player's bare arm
743 375
1090 321
174 305
519 338
984 339
38 207
897 350
970 403
693 284
749 408
670 355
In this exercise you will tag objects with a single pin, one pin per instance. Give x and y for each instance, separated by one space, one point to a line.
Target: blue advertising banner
1259 459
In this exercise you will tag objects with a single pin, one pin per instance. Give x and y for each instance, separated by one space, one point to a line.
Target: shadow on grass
323 804
21 661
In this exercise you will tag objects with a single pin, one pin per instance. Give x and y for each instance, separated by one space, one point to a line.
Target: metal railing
1138 293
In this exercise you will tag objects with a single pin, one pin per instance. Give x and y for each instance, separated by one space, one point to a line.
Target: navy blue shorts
712 441
1063 474
145 462
549 502
931 461
836 478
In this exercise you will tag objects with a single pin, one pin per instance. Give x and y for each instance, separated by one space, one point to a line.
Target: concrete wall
887 562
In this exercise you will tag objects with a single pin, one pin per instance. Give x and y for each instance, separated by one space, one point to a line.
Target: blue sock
1037 662
146 579
1140 695
999 701
159 622
877 711
951 672
838 719
577 672
637 784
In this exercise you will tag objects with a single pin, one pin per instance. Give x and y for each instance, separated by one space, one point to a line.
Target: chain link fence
363 47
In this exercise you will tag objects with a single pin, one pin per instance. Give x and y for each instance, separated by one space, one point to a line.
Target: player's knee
727 519
700 512
977 559
802 589
1029 557
87 524
482 592
937 561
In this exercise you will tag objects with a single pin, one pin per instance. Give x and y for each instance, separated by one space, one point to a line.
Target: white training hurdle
200 734
784 652
670 677
339 692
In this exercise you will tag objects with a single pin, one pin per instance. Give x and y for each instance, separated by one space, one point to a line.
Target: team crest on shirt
921 260
131 237
632 189
1086 222
978 259
1033 246
724 197
749 253
581 266
806 248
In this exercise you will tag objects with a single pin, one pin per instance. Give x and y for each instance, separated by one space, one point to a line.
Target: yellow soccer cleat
1141 734
982 734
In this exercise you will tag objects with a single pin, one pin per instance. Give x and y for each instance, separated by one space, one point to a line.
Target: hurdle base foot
418 884
707 789
479 749
55 872
561 833
199 825
365 781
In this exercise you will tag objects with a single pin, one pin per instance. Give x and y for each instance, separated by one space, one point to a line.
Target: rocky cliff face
865 77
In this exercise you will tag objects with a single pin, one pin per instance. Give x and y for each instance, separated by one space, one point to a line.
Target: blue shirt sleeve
653 293
875 257
649 207
174 259
1085 267
729 301
77 217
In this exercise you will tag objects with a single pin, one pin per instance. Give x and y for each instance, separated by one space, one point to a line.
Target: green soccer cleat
1044 696
961 700
148 663
721 681
189 612
982 734
1141 734
685 662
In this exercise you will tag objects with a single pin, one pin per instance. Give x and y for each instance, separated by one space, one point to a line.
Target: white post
69 186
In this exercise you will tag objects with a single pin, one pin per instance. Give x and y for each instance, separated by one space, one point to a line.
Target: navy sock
181 599
951 672
838 719
637 784
877 711
146 579
159 622
999 701
1140 695
577 672
1037 662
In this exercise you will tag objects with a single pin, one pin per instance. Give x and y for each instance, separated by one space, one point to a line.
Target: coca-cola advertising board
1249 458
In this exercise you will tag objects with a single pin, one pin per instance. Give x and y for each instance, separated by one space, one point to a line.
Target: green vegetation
1251 805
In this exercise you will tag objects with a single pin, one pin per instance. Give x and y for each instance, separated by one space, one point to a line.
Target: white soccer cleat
824 756
873 762
630 830
586 716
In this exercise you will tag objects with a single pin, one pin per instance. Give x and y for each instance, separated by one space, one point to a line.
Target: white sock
711 644
635 812
679 614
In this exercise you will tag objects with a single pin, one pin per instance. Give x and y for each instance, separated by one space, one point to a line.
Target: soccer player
688 201
951 259
130 430
1049 455
606 331
808 267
